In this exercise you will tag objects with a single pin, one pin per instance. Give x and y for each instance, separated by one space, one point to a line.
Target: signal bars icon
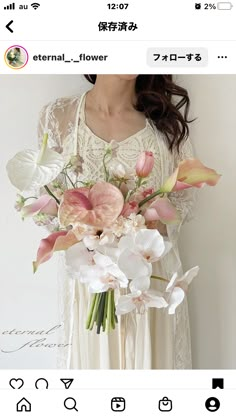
10 6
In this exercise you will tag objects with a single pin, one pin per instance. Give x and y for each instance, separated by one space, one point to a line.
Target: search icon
70 404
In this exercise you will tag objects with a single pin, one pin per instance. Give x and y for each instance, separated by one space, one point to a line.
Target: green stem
105 314
139 182
109 308
95 309
43 148
104 165
69 178
101 312
149 197
91 311
113 322
52 195
160 278
28 198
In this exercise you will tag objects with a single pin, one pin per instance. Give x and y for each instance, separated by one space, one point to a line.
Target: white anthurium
77 255
103 275
30 170
177 287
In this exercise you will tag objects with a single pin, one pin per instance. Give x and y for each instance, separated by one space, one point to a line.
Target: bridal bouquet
103 226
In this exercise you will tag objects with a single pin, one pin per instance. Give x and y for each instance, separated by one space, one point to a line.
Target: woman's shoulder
61 107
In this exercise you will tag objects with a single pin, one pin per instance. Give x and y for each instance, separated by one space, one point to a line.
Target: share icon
67 382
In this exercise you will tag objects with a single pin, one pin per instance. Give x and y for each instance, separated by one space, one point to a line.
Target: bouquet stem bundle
102 312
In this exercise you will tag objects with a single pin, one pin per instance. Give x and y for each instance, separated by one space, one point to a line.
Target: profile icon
212 404
16 57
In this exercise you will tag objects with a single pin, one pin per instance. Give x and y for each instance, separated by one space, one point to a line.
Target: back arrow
8 26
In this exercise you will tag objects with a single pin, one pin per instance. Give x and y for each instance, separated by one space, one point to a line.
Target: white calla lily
177 287
30 170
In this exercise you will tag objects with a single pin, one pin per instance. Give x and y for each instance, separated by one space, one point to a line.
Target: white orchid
94 241
177 287
133 265
148 244
103 275
140 298
76 256
30 170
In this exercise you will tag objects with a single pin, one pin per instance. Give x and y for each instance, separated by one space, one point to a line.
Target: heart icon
16 383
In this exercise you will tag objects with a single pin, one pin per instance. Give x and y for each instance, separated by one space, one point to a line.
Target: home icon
23 405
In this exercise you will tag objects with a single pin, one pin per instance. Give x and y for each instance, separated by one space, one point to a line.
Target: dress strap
75 148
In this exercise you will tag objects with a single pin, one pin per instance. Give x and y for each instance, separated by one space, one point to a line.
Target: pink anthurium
57 241
190 173
45 204
161 209
100 206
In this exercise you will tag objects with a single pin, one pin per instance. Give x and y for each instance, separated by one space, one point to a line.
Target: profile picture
16 57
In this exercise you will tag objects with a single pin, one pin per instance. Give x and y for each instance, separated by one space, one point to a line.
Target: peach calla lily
57 241
100 206
190 173
45 204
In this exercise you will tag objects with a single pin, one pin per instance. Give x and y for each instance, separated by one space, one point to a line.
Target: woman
139 113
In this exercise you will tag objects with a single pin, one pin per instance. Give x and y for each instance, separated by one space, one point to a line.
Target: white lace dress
154 340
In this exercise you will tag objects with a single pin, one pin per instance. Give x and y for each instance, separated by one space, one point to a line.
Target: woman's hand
157 225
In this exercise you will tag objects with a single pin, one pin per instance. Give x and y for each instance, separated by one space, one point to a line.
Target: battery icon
224 5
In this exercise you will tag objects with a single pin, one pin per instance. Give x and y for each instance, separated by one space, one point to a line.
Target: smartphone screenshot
118 169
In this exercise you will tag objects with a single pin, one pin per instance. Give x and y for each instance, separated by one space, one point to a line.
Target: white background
29 302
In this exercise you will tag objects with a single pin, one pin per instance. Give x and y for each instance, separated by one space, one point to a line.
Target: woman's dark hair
161 99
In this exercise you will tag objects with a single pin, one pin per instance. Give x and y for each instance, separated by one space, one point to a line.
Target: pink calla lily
57 241
100 206
162 209
45 204
190 173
